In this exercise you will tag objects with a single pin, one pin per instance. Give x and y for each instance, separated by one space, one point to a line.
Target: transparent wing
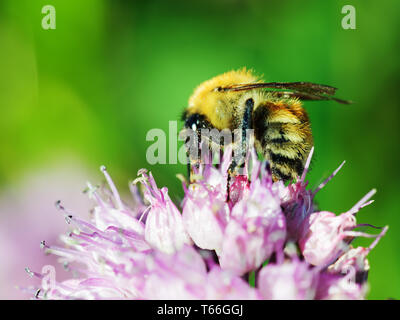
300 90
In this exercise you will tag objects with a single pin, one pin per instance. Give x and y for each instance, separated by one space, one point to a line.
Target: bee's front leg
238 160
231 174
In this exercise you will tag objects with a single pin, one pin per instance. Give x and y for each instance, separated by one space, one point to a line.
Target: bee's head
194 121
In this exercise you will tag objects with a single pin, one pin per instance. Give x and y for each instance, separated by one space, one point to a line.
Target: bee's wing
308 96
301 90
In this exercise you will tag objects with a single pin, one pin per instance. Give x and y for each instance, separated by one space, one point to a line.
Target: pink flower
164 228
150 250
204 210
205 215
181 275
355 260
293 280
222 284
325 239
184 276
255 230
335 287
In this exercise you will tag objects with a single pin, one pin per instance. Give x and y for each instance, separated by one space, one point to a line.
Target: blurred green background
112 70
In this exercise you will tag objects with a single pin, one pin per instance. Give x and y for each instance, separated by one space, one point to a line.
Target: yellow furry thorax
221 108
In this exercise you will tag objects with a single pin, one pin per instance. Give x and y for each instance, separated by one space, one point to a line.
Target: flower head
206 247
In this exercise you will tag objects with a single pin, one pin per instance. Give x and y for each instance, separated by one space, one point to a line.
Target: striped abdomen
283 135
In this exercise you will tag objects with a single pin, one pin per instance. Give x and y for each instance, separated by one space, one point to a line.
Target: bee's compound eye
193 122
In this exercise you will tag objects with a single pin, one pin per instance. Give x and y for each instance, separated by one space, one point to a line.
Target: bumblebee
239 100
